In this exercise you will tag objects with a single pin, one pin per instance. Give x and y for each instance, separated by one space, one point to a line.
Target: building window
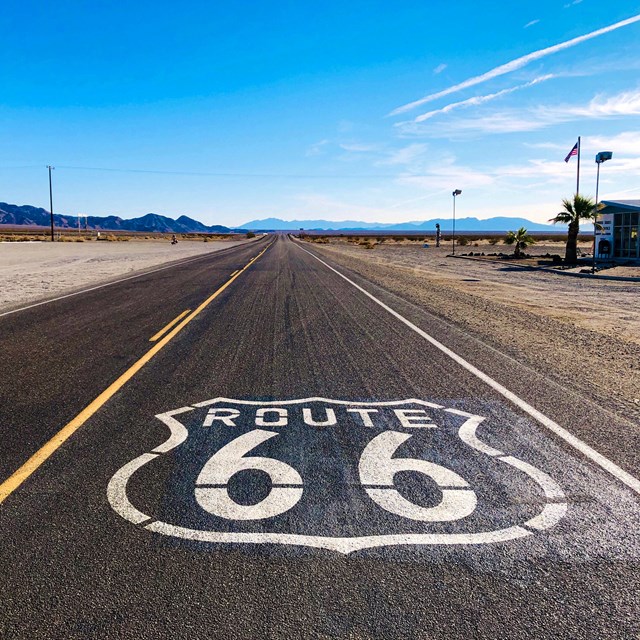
625 237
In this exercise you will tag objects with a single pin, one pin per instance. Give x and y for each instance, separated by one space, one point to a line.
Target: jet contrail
476 100
518 63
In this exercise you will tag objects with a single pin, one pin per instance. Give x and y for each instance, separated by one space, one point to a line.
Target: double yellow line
48 449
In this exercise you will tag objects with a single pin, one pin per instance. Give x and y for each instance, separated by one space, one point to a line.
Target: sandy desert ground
32 271
584 333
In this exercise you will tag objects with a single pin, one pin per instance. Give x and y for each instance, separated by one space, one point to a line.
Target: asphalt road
295 458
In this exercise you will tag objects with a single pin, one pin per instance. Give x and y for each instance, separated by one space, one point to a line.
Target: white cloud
571 4
406 155
505 122
356 147
476 100
329 207
317 148
622 104
511 121
513 65
427 196
624 143
440 68
530 24
446 171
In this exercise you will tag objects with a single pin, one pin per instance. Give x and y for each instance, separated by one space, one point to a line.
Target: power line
228 174
220 174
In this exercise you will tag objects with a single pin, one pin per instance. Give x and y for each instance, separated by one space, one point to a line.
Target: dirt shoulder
583 333
31 271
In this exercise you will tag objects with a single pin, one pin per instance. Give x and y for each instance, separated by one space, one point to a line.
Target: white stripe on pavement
569 438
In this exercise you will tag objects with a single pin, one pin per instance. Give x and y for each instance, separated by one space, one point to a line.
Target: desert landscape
582 332
35 270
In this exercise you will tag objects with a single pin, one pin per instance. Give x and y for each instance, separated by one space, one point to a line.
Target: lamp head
603 156
457 192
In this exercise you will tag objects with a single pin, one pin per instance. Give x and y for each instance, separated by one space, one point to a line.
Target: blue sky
340 110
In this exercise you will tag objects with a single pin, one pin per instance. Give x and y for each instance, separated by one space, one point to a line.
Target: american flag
573 152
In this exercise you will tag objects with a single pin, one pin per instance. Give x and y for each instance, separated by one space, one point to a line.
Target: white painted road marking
593 455
232 458
379 462
378 468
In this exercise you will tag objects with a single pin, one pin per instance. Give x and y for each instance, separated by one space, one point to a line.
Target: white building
618 238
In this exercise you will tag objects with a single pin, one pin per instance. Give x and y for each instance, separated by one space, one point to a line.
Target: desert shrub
493 241
22 238
462 241
250 235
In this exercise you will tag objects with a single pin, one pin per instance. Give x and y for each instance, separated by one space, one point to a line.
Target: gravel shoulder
583 333
32 271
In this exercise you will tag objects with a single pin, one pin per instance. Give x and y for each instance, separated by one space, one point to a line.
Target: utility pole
51 200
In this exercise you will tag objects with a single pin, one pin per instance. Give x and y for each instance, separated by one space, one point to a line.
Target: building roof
625 205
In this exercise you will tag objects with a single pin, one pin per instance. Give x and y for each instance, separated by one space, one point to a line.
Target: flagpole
578 170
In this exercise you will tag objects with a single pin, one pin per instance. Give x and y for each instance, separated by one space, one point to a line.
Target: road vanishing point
259 443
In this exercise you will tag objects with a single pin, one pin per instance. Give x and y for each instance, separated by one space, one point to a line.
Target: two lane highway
301 459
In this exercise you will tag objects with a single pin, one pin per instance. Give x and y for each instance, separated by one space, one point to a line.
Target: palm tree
580 208
521 239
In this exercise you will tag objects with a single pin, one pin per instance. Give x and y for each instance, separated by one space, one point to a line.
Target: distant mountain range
462 224
13 214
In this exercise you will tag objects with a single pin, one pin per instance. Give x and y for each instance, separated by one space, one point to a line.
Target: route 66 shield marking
333 474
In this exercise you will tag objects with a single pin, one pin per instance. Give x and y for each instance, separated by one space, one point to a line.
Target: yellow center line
50 447
234 273
168 326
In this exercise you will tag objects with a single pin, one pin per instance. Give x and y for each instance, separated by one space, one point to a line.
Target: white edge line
589 452
108 284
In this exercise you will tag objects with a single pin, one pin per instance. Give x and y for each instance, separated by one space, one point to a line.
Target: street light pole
51 200
601 157
455 193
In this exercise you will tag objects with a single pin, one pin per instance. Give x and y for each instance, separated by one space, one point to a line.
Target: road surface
299 453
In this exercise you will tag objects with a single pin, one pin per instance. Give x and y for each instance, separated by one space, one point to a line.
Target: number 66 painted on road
377 469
